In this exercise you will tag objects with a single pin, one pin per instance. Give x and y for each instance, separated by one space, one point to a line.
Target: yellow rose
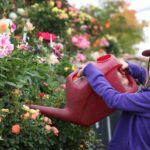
69 31
66 68
5 110
63 15
51 4
55 10
32 111
72 14
73 68
35 6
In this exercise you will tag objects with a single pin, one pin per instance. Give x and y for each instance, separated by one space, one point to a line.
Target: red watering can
84 106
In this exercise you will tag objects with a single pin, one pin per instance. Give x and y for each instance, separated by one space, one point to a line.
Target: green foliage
64 67
50 18
118 21
24 80
5 7
21 71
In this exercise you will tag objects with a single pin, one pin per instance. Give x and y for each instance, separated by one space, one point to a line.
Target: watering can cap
146 53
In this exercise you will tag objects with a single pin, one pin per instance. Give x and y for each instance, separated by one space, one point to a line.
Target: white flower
13 16
26 108
109 37
28 26
21 11
95 55
52 59
1 139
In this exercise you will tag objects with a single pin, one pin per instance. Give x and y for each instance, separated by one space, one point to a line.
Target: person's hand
124 64
127 57
80 71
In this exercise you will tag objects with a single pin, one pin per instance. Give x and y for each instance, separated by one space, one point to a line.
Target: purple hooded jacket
133 129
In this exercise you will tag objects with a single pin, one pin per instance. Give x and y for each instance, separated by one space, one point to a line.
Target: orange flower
87 36
18 37
17 92
65 9
48 127
107 24
47 120
92 20
96 43
55 130
15 129
26 116
3 27
35 115
101 50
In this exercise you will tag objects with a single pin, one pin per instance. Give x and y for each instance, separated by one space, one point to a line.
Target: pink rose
80 42
81 57
55 130
59 4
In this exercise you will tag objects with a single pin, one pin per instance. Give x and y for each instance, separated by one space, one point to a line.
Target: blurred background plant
41 43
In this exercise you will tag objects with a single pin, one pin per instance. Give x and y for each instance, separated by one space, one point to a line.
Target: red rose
42 94
46 36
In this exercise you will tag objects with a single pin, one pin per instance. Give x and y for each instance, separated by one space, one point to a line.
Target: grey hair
147 83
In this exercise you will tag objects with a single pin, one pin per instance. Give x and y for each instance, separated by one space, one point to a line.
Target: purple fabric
133 129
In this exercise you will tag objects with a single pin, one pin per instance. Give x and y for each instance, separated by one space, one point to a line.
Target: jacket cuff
90 69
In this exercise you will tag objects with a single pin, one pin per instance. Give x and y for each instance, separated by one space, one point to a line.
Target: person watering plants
133 129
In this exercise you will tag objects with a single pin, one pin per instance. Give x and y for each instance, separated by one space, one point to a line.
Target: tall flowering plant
28 75
19 73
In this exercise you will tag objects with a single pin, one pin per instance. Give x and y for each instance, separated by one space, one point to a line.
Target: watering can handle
130 82
78 83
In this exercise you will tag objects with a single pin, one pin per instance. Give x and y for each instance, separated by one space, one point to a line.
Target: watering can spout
62 114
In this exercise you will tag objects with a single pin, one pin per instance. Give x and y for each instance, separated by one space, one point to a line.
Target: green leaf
11 84
28 78
19 86
35 74
3 76
3 68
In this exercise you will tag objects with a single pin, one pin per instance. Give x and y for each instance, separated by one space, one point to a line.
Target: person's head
146 53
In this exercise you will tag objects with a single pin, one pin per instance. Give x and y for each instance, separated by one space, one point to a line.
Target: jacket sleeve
136 102
137 72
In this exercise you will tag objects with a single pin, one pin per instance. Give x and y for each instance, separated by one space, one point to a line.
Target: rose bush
28 75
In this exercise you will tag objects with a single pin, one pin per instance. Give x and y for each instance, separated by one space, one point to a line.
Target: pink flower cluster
6 47
104 42
80 57
80 41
